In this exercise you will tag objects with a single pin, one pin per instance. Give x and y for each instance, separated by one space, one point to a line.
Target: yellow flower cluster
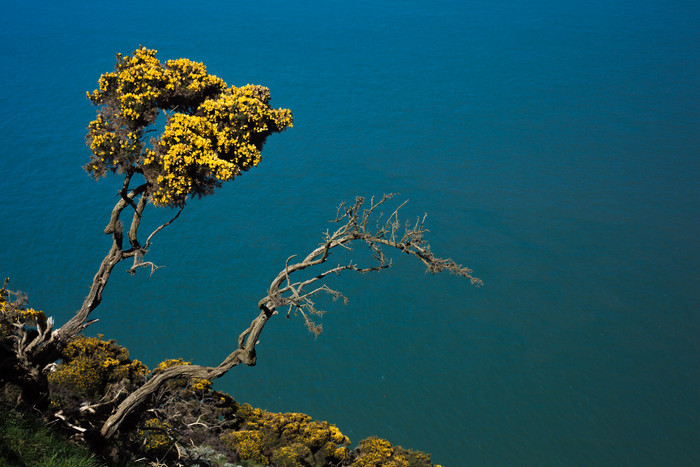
81 377
188 156
248 444
290 438
293 426
184 73
377 452
90 365
162 366
224 137
111 148
200 385
294 455
154 436
141 82
213 132
136 83
12 313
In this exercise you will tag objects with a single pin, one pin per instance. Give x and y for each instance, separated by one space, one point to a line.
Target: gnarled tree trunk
293 294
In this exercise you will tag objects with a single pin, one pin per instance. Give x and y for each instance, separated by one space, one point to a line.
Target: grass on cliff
25 440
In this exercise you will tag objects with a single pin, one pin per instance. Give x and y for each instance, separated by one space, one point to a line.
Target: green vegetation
287 439
93 368
25 440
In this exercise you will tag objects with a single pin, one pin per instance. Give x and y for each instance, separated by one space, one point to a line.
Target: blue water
555 145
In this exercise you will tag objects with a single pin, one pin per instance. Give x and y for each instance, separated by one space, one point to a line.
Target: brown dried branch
64 419
48 349
42 333
139 252
148 240
136 221
355 226
245 353
354 222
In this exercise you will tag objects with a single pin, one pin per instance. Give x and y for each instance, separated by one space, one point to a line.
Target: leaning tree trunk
245 353
285 292
80 320
50 351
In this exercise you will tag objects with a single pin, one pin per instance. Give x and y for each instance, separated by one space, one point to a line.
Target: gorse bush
286 439
294 455
377 452
212 134
192 423
93 367
15 315
154 437
173 131
248 444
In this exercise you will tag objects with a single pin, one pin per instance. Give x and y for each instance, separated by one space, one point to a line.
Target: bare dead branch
148 240
63 418
198 422
50 347
43 333
354 225
140 264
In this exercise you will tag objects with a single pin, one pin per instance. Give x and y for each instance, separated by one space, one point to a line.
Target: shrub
13 312
414 458
91 366
294 455
288 439
248 444
154 437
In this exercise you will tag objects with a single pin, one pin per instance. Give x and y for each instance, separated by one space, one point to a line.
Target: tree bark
50 351
245 353
355 227
79 321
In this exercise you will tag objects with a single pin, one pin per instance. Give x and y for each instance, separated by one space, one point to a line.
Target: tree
209 134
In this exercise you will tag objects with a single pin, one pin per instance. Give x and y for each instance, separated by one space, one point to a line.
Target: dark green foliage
26 441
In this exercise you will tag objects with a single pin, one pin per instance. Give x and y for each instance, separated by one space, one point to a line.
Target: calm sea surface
554 144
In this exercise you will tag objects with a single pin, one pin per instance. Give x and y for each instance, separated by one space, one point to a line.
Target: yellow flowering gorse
286 438
248 444
15 312
90 365
155 436
212 132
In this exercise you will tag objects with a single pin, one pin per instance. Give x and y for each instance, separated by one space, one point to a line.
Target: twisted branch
356 226
48 350
355 222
